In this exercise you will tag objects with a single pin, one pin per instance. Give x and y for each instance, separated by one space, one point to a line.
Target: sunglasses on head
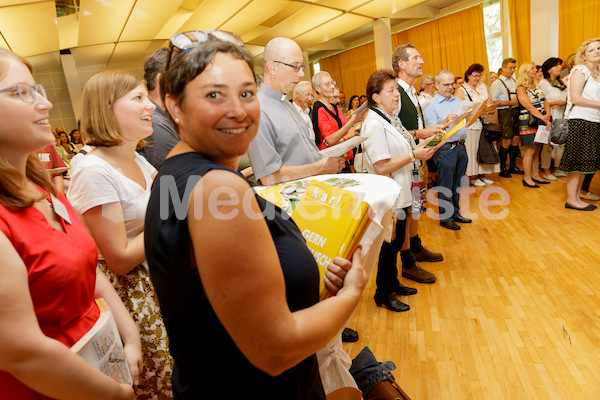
186 41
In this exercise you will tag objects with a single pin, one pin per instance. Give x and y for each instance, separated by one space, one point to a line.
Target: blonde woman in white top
474 90
582 148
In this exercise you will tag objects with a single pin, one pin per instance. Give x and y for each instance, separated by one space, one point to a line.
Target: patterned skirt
582 148
137 293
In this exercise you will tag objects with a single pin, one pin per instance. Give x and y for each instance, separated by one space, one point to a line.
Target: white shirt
386 142
591 90
553 94
499 92
95 182
306 117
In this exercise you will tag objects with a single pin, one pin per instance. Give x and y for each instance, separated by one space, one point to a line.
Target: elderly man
163 137
450 159
302 97
283 150
504 92
342 102
407 63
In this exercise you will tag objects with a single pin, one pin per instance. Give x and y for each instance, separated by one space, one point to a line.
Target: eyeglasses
329 84
27 93
415 58
296 68
185 41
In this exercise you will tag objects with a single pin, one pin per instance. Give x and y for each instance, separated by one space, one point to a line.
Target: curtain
351 69
578 22
520 32
453 42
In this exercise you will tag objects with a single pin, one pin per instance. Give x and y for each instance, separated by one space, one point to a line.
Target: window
317 66
492 22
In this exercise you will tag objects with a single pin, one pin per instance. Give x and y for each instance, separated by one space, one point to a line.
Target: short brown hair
376 82
507 61
187 65
473 68
99 126
400 54
153 65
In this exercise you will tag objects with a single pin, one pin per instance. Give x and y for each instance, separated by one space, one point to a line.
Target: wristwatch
412 156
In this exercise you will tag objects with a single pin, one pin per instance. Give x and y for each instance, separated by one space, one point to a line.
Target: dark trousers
451 161
387 270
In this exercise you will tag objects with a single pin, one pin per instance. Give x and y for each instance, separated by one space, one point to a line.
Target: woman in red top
329 122
49 275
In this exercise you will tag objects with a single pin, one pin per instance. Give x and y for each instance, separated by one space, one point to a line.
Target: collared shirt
412 95
499 92
283 136
162 140
438 110
305 114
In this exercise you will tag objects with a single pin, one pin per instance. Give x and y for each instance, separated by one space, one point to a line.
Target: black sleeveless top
206 358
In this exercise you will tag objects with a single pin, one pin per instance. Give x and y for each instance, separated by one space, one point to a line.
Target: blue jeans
368 372
451 161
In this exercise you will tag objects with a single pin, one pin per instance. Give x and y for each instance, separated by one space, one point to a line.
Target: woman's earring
176 120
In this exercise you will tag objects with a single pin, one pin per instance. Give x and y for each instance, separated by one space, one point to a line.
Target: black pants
387 269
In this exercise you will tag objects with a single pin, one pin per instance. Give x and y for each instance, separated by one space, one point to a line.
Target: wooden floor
515 312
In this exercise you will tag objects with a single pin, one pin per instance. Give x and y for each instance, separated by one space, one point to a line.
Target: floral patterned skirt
137 293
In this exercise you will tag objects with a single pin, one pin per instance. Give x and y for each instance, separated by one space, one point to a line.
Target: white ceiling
124 31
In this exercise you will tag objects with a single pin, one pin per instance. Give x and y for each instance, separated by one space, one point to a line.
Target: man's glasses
186 41
28 93
296 68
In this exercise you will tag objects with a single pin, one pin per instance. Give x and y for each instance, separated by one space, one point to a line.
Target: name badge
44 157
60 209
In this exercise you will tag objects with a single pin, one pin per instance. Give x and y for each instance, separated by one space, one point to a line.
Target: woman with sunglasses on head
237 284
47 289
329 122
110 188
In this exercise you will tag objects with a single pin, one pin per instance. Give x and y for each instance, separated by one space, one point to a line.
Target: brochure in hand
333 221
102 347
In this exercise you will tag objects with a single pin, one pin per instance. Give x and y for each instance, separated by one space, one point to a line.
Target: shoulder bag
559 130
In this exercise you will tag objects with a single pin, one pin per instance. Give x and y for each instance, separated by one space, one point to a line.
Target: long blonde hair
522 77
12 190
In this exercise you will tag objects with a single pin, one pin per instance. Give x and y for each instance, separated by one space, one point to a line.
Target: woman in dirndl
110 188
582 148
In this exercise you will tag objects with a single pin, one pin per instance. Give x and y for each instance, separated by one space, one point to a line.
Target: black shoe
530 186
349 335
450 225
505 174
404 290
540 182
391 303
515 171
589 207
462 220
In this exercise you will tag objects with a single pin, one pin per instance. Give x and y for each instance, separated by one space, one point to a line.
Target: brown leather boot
426 255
